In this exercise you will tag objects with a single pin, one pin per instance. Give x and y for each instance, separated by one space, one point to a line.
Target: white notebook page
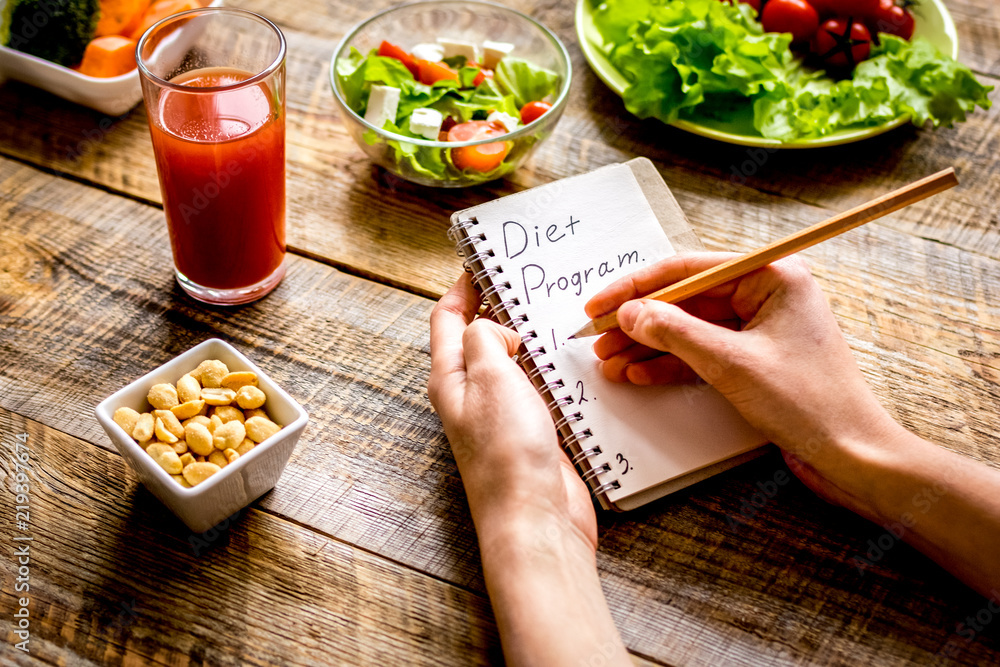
559 245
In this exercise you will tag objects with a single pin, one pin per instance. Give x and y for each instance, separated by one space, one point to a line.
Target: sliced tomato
532 111
482 76
429 72
484 157
390 50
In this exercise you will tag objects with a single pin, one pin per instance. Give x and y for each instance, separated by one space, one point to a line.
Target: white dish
239 483
113 96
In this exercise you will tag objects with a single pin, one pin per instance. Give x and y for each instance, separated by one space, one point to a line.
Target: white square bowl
113 96
239 483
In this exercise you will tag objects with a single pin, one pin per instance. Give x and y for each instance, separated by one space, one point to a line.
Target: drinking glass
213 83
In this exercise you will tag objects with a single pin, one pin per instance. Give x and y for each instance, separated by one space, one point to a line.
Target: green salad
449 98
692 59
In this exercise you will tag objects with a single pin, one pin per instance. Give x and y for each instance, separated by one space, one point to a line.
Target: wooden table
365 552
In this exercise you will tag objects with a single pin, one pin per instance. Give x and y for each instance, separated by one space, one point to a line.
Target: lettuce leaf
706 59
526 82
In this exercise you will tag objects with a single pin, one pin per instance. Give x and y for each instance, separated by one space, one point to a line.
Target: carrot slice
159 10
429 72
111 55
117 15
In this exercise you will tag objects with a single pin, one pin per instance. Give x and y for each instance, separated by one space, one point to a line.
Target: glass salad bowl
451 41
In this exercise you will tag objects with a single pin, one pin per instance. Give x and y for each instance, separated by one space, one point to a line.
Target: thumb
486 342
704 346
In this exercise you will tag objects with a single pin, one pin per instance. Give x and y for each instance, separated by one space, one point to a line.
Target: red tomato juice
221 160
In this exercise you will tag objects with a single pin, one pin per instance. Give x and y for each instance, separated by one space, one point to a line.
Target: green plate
932 21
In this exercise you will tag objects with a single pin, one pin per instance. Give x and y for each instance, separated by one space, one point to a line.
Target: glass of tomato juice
213 82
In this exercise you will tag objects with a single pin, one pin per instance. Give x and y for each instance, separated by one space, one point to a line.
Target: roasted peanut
229 435
249 397
231 455
165 457
256 412
218 395
180 447
180 480
197 419
260 429
188 389
210 373
198 472
162 396
170 422
238 379
188 409
144 427
213 423
163 434
228 413
198 438
245 446
218 458
187 459
127 419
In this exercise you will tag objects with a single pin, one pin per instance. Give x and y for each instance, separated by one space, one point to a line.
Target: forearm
942 503
547 597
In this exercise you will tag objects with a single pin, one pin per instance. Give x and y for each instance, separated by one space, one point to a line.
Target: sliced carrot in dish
118 15
108 56
159 10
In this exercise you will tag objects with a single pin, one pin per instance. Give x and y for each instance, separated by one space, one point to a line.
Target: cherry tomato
532 111
859 9
893 19
482 76
795 16
428 72
842 42
484 157
390 50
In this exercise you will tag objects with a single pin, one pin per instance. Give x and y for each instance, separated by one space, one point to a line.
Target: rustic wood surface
364 552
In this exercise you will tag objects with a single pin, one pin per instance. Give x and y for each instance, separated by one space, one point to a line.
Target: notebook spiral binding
467 244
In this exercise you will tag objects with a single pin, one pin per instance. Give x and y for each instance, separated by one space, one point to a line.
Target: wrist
532 538
857 465
542 580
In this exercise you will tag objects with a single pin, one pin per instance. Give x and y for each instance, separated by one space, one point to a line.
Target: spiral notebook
538 256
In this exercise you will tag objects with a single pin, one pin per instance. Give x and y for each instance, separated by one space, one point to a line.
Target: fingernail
628 314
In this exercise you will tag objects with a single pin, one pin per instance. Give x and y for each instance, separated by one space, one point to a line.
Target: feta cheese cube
454 47
508 121
382 105
494 52
432 52
426 123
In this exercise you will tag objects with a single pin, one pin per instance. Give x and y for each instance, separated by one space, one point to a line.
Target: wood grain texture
345 212
87 303
116 580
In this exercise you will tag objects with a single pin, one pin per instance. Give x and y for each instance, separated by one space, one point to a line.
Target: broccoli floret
5 8
57 30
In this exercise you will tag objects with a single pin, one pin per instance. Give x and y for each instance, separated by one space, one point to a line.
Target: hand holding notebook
538 256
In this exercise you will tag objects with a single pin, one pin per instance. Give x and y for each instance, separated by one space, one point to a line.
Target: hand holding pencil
810 236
